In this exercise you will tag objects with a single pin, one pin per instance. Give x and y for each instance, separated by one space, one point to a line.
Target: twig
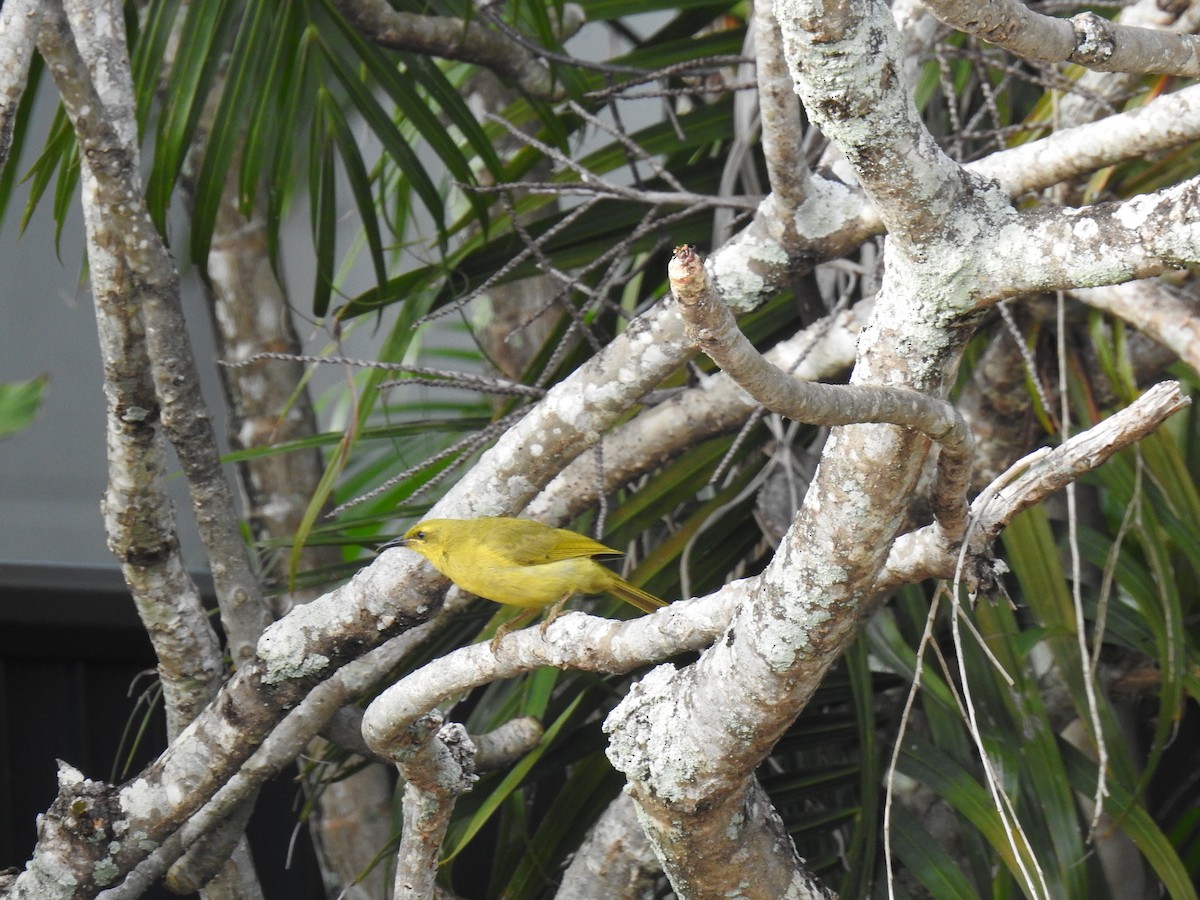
437 377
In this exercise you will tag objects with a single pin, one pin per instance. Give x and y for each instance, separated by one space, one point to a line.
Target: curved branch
712 327
715 405
572 641
782 134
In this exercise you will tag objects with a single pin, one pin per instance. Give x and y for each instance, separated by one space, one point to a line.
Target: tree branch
438 766
1151 308
716 405
450 38
712 327
1085 39
139 518
19 24
1108 243
920 555
845 64
615 859
782 135
145 280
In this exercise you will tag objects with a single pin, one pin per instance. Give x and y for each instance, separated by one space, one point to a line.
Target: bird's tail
635 596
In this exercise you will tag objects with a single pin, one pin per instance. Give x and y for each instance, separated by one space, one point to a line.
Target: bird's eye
420 535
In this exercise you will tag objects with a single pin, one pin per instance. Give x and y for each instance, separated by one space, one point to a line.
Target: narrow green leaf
925 860
385 129
224 137
864 842
1127 814
592 784
274 104
202 40
360 187
416 112
292 108
64 193
929 766
322 190
20 133
510 783
449 98
148 52
59 143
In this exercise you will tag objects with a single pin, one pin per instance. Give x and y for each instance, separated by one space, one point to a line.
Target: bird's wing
530 543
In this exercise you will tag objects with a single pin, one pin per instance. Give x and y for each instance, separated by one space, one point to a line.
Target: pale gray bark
139 517
19 24
687 738
615 859
1085 39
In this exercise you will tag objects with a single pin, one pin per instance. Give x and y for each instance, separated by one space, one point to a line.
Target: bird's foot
510 625
554 613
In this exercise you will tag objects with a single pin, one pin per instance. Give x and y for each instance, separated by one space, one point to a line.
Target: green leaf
322 192
225 135
1127 813
954 784
937 872
380 122
360 187
202 41
449 98
20 133
19 402
148 51
275 106
60 146
510 783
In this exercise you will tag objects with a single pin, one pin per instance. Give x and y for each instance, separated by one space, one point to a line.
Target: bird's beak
394 542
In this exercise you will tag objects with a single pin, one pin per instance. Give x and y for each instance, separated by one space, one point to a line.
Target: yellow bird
521 563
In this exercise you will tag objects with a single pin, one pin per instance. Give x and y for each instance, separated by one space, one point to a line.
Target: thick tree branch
148 282
1108 243
438 767
615 859
139 519
835 218
1085 39
780 645
845 62
1171 120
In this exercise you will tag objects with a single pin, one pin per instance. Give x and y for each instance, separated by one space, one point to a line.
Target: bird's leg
555 610
524 616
